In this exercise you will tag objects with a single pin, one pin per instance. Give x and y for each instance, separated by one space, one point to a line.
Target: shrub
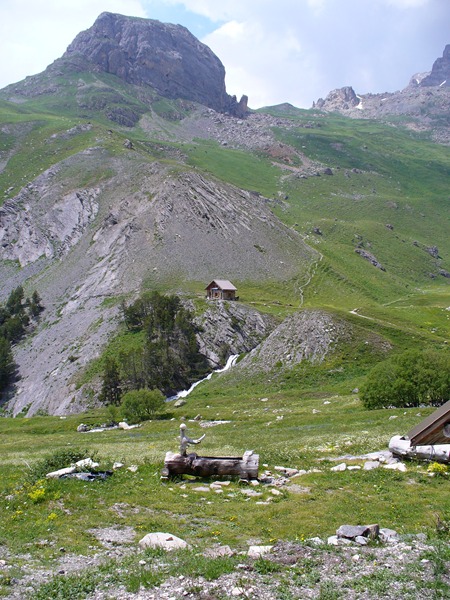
57 460
413 378
142 405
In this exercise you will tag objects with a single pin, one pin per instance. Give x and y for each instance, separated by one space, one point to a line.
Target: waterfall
230 362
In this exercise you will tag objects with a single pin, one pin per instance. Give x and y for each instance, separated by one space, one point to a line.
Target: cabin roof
222 284
435 429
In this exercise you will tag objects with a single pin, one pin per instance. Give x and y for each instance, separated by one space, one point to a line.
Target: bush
57 460
142 405
413 378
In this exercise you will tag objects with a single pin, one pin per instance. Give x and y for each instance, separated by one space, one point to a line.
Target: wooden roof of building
222 284
435 429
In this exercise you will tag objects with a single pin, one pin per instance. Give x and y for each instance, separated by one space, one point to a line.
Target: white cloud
33 33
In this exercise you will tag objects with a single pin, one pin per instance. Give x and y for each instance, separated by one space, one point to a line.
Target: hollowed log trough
244 467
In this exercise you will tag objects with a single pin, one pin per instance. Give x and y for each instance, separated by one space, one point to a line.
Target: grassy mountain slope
354 190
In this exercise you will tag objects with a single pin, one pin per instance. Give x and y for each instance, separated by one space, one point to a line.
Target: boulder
258 551
351 531
166 541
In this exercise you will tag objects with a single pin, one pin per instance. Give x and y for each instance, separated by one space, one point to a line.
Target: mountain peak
440 73
147 52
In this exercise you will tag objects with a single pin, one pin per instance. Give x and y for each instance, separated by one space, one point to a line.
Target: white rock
317 541
340 467
202 488
133 468
361 540
86 463
123 425
166 541
258 551
369 465
117 465
354 468
333 540
396 467
275 492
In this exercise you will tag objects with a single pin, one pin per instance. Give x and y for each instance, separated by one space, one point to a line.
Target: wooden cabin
221 289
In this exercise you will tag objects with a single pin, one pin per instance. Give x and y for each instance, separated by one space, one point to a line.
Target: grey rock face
231 328
343 98
440 73
307 335
147 52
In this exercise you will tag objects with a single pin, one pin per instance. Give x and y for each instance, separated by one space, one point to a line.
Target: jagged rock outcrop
440 73
146 52
340 99
306 335
229 328
424 103
35 224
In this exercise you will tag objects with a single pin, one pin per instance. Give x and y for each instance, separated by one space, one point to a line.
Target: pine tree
111 392
7 365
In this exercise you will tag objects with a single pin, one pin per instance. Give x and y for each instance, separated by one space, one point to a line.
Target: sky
273 51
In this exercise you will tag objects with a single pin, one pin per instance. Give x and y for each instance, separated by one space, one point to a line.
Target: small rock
258 551
389 536
361 540
219 552
369 465
396 467
316 541
333 540
340 467
179 403
82 428
132 468
287 471
117 465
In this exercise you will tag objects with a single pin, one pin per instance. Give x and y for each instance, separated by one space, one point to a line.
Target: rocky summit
423 104
164 57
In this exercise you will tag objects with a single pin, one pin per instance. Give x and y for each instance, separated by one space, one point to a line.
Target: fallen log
435 452
244 467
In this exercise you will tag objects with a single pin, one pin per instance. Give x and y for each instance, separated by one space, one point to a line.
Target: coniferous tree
111 392
7 365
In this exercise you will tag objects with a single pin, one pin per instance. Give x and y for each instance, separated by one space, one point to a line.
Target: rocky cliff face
440 73
144 223
146 52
